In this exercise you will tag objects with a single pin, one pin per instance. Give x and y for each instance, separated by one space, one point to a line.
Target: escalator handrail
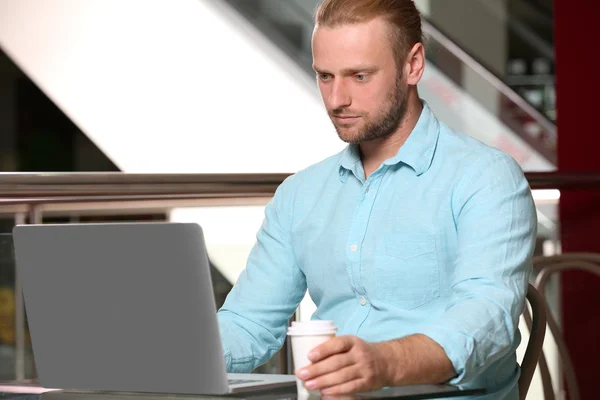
488 76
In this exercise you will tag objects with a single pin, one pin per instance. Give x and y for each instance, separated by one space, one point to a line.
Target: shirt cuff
227 361
459 349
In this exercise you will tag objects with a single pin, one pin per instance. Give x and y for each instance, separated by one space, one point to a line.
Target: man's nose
339 96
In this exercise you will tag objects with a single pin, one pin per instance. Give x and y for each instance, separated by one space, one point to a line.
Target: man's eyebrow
359 69
349 71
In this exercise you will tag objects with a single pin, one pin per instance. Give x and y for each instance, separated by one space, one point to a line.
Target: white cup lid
317 327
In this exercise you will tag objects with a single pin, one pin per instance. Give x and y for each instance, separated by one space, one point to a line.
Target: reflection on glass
7 308
11 365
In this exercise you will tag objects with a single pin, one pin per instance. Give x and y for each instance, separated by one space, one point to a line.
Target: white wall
424 7
170 86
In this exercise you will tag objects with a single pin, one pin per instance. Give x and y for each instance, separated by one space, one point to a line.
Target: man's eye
361 77
324 77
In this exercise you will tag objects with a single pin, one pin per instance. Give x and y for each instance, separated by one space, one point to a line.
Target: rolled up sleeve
253 319
496 225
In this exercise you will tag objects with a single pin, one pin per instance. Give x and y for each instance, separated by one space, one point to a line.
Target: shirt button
363 301
353 248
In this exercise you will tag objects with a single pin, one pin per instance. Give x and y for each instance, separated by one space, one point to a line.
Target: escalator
461 88
514 39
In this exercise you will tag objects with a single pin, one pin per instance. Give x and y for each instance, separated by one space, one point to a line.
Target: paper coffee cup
305 337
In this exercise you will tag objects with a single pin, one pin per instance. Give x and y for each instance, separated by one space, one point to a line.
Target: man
415 240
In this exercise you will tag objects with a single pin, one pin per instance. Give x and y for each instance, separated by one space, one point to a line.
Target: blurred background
226 87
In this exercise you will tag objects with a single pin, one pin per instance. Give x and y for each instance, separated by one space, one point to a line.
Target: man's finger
349 387
336 345
333 379
326 366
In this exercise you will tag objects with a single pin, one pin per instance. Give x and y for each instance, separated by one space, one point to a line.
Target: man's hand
346 364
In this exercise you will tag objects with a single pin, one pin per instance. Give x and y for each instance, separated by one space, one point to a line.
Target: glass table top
414 392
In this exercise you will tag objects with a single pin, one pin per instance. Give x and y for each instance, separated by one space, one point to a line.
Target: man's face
359 80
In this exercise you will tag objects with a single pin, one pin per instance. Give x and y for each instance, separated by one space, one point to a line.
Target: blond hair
402 16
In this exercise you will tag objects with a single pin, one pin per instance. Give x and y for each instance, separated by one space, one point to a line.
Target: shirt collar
350 159
417 152
419 148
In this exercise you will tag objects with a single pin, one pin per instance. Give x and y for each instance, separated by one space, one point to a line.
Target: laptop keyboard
241 381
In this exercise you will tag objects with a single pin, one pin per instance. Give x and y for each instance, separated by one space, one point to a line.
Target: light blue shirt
438 241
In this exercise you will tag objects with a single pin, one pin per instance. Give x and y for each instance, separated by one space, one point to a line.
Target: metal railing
30 196
430 30
573 180
42 188
57 187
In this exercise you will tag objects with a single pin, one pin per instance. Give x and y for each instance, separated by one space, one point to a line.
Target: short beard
384 124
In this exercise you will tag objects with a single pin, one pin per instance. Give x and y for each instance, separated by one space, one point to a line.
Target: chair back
544 267
537 327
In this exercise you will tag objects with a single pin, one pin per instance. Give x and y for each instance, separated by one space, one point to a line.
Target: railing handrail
35 188
564 180
135 178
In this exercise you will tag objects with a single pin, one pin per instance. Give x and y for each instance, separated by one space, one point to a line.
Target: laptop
125 307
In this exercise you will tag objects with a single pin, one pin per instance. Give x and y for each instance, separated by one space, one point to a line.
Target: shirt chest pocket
406 270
